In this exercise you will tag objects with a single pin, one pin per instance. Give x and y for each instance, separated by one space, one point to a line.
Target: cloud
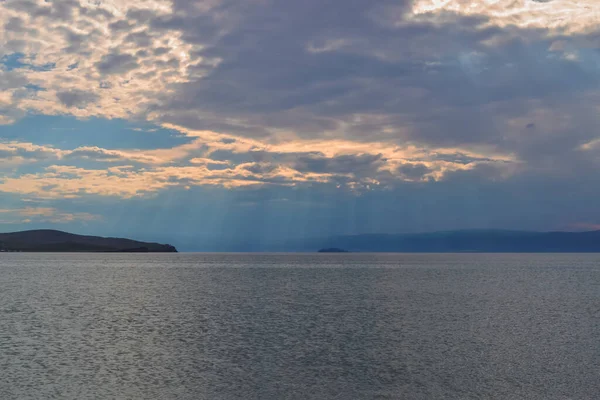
100 154
42 214
456 81
351 95
77 98
145 173
115 63
572 16
360 165
414 171
126 181
15 153
197 67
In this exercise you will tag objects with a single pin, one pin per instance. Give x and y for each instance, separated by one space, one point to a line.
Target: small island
333 250
46 240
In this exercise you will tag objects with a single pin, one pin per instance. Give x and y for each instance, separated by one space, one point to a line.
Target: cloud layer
355 96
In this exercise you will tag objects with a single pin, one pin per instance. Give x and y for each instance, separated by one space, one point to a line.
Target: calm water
327 326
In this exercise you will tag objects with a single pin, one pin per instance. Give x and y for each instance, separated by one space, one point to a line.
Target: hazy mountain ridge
47 240
466 241
481 241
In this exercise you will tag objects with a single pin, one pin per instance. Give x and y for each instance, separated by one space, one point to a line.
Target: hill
58 241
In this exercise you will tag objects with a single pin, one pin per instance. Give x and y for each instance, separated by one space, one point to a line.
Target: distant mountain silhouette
58 241
332 250
482 241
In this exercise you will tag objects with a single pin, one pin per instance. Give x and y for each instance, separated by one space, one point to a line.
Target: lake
299 326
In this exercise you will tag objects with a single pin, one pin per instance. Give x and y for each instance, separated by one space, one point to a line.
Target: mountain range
478 241
482 241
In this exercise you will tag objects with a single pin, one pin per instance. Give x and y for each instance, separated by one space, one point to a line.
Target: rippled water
326 326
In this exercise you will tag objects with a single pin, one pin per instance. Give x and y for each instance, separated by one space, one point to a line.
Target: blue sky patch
68 133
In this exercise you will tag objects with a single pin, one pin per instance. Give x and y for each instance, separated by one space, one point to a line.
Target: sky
218 121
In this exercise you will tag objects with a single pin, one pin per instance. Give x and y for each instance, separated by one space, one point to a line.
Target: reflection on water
326 326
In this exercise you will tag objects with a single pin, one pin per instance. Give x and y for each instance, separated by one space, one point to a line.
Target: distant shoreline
462 242
333 250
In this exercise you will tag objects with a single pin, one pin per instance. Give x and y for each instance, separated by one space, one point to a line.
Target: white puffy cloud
92 58
572 16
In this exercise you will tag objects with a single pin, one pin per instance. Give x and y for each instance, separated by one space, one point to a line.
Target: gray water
323 326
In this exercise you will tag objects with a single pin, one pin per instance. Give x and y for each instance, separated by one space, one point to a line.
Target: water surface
299 326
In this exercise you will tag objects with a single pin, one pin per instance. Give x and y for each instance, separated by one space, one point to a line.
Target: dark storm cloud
77 98
78 43
413 171
160 51
358 165
311 67
15 25
59 10
11 79
261 168
141 39
28 6
120 25
459 158
116 63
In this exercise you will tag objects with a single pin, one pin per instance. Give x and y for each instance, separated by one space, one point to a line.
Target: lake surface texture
322 326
